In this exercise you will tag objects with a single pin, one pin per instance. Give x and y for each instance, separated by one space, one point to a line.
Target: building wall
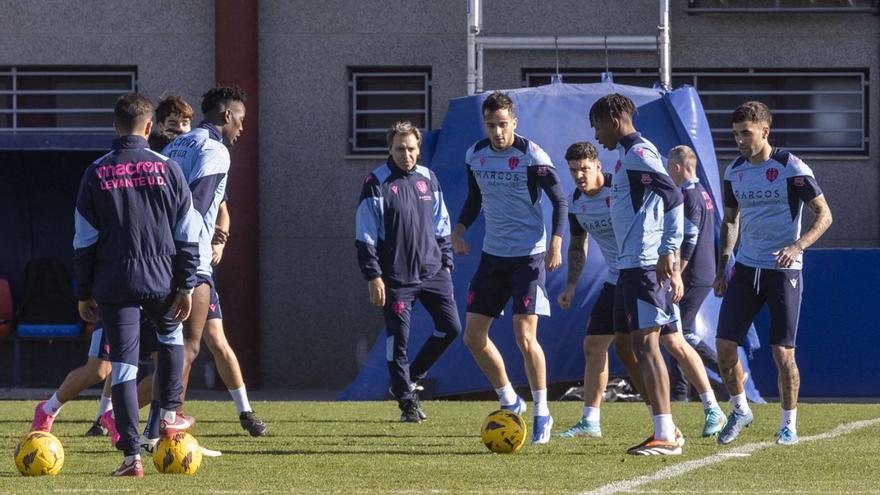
317 323
171 43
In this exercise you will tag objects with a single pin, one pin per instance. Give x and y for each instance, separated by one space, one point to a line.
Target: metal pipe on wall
665 47
476 44
472 17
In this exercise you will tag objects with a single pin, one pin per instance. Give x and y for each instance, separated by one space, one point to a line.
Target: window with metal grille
781 6
380 97
814 112
61 100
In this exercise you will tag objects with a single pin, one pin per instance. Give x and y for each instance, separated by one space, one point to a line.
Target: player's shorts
601 320
214 311
100 348
747 292
499 278
640 302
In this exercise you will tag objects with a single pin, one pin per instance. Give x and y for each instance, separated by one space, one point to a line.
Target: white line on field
688 466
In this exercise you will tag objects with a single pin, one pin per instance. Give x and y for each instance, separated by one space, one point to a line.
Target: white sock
591 414
104 405
650 410
239 395
664 428
131 458
540 398
52 406
740 403
169 416
708 399
789 419
506 395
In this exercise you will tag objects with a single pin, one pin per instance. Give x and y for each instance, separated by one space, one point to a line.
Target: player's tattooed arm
821 223
577 258
786 257
729 236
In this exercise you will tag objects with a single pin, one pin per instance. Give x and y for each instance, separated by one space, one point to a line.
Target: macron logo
793 282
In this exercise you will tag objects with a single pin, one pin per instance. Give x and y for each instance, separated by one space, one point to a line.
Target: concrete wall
317 323
171 43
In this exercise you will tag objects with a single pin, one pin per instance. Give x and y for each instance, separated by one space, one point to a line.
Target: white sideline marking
688 466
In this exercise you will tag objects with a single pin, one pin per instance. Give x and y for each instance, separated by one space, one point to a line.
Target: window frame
16 73
355 73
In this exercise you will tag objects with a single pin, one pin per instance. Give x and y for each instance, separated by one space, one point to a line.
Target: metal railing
839 116
361 97
19 99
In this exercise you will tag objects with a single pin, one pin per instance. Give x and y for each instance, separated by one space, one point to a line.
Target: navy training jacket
136 229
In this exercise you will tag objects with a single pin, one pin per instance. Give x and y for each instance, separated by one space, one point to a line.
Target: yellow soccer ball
39 453
180 454
504 432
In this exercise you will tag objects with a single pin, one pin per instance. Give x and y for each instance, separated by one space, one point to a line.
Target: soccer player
136 246
590 214
204 157
402 240
174 113
173 118
764 193
697 259
506 176
646 212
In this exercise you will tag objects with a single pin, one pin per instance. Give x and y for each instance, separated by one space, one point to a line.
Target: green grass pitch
344 448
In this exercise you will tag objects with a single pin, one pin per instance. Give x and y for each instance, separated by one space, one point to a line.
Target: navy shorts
214 310
601 320
640 302
747 292
499 278
100 348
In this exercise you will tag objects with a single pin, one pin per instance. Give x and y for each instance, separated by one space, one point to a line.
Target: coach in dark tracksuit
136 246
698 260
404 251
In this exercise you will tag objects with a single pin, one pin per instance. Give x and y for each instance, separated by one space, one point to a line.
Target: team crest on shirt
617 166
799 181
394 188
482 161
640 152
422 186
512 163
646 179
772 174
